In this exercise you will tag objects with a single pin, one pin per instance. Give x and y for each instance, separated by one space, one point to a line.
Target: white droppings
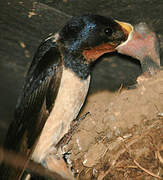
85 161
116 131
112 117
77 141
69 161
143 89
127 136
160 114
95 171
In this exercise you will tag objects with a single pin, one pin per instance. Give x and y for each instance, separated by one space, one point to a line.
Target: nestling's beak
126 27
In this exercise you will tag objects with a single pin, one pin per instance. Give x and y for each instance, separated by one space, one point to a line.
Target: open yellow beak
128 30
125 26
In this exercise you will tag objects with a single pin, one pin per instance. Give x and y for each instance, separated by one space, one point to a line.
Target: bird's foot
66 138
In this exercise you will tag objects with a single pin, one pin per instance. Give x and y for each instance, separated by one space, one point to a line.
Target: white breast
70 98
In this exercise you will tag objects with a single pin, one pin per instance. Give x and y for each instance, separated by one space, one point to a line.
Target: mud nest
122 135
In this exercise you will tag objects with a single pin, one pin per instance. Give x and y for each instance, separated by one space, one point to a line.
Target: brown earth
122 136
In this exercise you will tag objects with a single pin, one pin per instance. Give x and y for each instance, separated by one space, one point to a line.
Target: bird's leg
143 45
67 137
54 160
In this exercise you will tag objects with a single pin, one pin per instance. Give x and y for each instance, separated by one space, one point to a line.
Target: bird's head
93 35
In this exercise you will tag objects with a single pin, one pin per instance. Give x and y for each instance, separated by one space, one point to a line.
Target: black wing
36 100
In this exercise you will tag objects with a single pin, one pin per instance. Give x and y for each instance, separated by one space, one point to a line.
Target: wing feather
36 100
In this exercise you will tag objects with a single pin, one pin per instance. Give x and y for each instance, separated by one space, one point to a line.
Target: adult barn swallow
56 86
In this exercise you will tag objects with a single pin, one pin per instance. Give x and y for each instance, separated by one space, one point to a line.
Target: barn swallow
143 45
56 86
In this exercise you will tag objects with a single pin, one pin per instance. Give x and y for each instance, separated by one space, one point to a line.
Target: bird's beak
126 27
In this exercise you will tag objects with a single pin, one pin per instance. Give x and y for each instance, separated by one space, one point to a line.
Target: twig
159 156
145 170
142 168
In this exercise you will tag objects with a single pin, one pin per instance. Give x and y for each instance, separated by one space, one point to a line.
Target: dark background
21 34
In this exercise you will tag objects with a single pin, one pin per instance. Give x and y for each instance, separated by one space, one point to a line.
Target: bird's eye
108 31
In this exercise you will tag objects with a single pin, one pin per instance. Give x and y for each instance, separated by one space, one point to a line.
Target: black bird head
93 35
85 38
